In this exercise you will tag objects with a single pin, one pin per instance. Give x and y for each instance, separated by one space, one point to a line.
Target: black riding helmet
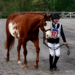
55 16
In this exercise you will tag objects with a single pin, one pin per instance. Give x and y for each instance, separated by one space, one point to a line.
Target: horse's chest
13 29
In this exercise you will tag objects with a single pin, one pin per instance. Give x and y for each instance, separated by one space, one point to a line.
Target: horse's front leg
37 57
25 53
36 43
18 50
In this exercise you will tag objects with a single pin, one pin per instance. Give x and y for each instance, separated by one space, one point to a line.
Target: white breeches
52 51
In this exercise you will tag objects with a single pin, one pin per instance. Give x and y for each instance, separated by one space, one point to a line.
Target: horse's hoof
7 59
19 63
36 66
25 66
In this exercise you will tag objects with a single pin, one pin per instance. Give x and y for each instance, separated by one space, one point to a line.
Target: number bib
55 33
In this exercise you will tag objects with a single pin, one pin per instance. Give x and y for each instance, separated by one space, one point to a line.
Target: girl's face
55 20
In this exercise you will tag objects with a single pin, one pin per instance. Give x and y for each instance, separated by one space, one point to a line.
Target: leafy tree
1 5
63 5
11 6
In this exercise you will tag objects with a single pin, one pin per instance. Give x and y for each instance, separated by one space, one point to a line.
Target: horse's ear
45 16
50 16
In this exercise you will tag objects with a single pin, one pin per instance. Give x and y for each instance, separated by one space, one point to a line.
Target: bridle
68 51
45 24
44 31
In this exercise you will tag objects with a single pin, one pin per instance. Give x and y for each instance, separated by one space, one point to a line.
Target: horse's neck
34 24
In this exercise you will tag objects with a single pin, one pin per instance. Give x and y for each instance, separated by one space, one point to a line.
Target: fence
62 14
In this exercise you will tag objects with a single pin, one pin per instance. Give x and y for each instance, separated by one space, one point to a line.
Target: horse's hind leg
18 49
36 43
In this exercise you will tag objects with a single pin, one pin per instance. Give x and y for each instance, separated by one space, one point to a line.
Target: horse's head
46 24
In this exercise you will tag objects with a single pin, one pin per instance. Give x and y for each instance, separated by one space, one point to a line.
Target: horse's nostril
47 35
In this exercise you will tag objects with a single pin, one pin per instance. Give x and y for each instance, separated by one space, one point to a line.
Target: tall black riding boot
55 62
51 62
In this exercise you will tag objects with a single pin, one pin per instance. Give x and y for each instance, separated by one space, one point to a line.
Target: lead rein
68 51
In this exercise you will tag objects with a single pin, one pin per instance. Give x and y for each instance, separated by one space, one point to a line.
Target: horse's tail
9 42
9 38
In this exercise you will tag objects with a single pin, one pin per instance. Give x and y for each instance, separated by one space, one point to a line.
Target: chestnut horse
25 27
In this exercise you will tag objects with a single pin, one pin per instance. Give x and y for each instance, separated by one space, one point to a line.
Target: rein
68 51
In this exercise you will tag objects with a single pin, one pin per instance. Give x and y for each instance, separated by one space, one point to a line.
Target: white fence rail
68 14
62 14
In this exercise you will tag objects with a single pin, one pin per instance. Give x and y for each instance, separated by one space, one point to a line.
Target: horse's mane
34 13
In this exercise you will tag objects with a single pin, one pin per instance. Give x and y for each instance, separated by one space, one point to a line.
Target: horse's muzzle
47 37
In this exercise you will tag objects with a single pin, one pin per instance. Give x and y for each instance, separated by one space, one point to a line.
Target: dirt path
66 63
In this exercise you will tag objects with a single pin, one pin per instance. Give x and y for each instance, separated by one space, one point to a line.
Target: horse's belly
13 29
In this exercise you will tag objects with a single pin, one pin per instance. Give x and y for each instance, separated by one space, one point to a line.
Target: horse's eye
45 24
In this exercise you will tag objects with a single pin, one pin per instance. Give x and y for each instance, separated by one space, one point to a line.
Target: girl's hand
65 43
43 40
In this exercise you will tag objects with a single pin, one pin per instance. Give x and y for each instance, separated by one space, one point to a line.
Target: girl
53 42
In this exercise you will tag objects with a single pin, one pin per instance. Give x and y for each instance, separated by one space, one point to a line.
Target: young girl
53 42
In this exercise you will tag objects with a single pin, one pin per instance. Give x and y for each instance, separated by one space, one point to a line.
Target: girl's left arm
62 35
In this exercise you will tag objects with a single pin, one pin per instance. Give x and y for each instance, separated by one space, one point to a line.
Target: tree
10 6
1 5
63 5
